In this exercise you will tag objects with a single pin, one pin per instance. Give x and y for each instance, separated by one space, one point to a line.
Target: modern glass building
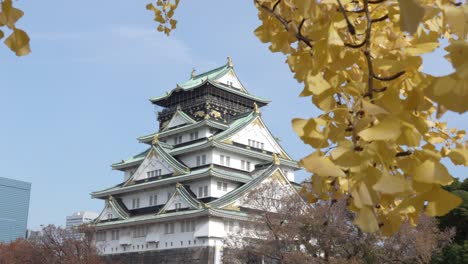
14 207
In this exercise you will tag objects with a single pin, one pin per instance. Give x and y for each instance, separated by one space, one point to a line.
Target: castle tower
183 195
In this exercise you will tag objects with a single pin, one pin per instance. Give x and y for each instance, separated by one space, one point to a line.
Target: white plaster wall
153 163
165 241
177 199
129 172
230 77
218 193
190 159
289 172
200 183
210 227
202 132
260 134
176 120
144 195
235 159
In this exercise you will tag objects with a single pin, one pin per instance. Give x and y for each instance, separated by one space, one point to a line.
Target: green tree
457 252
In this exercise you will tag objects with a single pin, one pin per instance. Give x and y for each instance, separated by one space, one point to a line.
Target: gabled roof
235 194
160 152
116 209
211 77
179 116
132 161
185 195
241 123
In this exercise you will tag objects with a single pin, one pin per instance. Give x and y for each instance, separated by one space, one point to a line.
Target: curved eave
206 172
157 100
149 138
178 166
239 192
151 218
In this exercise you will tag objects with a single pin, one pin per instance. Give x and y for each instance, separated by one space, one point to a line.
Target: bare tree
284 229
54 245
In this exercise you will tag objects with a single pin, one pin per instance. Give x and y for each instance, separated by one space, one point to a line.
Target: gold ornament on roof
276 160
229 59
178 185
256 110
155 139
193 73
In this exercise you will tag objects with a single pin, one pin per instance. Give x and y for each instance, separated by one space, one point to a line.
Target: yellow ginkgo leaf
411 14
18 41
333 37
315 84
431 171
321 166
1 34
440 202
391 184
422 48
9 15
372 109
362 196
459 156
390 224
366 220
455 19
387 129
298 126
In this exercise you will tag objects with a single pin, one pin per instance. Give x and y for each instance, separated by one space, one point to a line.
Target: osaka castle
181 197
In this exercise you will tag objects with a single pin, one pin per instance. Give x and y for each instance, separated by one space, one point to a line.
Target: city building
183 195
14 208
79 218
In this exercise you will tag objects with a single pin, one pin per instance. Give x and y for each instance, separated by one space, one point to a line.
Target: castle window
245 165
200 191
228 161
169 228
221 159
194 135
187 226
201 160
101 236
135 203
140 231
222 186
178 206
205 191
153 200
153 173
256 144
115 235
177 140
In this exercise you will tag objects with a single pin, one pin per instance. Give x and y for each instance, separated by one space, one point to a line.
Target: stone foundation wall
198 255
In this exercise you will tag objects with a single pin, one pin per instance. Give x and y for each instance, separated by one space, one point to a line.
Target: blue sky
77 103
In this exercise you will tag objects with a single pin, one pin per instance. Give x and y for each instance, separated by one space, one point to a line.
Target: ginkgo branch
376 1
390 78
285 23
404 153
379 19
355 46
351 28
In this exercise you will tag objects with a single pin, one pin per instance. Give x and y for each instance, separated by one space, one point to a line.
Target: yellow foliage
360 61
18 40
